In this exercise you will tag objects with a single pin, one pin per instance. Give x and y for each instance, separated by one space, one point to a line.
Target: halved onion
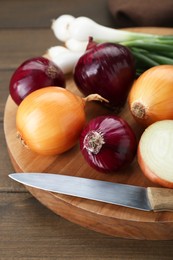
155 153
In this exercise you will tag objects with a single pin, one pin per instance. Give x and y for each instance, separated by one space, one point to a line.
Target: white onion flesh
156 149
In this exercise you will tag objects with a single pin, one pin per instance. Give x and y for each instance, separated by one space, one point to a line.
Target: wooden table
28 230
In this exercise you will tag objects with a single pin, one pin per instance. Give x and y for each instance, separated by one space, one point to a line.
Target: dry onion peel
151 96
155 153
50 120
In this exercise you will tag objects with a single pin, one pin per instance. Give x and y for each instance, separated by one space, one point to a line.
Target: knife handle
161 199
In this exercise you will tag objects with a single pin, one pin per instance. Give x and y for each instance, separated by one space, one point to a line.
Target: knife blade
141 198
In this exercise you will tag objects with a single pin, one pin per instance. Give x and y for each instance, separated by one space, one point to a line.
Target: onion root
139 110
19 137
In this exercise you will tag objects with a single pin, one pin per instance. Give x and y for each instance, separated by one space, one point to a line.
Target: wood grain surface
102 217
28 230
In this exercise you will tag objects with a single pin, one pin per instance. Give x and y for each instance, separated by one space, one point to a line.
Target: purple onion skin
107 69
119 148
34 74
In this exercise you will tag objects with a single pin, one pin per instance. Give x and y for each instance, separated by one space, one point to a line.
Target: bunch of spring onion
148 49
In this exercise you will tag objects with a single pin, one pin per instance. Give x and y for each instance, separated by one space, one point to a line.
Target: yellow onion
151 96
50 120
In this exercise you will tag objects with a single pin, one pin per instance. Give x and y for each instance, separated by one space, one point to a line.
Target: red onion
108 143
107 69
34 74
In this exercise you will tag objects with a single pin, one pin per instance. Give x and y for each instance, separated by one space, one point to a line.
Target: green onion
148 49
144 58
160 59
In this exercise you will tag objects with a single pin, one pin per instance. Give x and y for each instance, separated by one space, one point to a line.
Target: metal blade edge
103 191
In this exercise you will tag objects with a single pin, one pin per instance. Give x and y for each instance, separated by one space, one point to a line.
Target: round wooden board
102 217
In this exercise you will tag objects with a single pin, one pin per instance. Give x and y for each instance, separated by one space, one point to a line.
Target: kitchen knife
147 199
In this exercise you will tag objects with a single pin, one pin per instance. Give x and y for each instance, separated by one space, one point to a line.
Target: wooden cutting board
102 217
